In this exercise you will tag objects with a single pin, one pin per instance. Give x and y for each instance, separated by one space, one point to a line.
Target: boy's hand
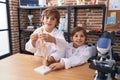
47 38
34 38
50 59
56 66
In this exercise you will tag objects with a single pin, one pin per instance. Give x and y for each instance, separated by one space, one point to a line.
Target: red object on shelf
97 30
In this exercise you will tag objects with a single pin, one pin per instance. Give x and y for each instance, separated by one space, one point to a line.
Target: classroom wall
81 20
13 4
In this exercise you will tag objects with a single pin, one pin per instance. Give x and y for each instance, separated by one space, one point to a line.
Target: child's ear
57 23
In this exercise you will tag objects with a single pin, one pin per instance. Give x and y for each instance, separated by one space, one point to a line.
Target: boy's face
49 22
78 39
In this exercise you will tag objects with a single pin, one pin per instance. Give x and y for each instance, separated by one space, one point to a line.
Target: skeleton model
43 48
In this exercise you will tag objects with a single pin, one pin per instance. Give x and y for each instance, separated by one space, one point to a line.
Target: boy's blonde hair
51 11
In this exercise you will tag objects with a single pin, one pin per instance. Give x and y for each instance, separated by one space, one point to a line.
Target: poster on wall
114 4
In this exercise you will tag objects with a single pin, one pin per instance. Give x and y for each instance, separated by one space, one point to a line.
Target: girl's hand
47 38
56 66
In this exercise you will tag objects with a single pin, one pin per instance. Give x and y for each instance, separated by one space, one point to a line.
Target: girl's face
78 39
49 22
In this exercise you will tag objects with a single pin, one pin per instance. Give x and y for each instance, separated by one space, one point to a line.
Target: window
3 16
2 0
5 48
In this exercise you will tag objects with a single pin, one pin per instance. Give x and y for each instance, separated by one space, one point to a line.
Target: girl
76 52
53 38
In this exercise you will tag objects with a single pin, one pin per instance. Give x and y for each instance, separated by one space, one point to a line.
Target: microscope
104 63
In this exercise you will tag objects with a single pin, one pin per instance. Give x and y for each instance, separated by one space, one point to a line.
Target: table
21 67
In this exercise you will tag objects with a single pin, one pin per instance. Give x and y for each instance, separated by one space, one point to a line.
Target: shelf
90 6
98 33
38 7
29 7
63 7
94 33
28 30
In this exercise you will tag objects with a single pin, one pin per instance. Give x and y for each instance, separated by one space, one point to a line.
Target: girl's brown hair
77 29
51 11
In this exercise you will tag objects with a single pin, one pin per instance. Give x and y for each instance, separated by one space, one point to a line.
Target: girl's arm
75 59
56 66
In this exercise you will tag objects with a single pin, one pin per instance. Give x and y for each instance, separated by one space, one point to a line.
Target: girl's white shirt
51 48
74 58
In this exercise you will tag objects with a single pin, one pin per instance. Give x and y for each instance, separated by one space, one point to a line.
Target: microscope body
104 64
105 67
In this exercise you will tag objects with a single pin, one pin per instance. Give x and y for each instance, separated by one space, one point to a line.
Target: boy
52 37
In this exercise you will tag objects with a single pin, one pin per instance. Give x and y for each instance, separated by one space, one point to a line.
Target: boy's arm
30 45
61 43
